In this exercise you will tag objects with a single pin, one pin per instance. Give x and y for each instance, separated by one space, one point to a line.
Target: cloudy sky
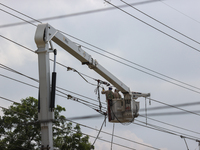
158 41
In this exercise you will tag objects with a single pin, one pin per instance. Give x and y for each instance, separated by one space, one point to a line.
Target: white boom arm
46 33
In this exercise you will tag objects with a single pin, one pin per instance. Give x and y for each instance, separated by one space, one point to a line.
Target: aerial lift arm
45 33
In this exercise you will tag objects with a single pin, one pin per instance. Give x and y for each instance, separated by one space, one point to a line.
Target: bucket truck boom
124 110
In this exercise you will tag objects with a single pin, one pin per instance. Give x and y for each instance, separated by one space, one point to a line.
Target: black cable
20 12
144 71
6 99
119 62
171 113
68 15
126 60
32 51
112 135
18 17
139 115
154 27
109 141
56 90
99 131
12 70
116 136
161 22
159 129
134 123
169 124
180 12
135 64
167 107
169 131
173 106
148 98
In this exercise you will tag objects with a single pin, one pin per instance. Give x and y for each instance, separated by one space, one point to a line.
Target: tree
20 130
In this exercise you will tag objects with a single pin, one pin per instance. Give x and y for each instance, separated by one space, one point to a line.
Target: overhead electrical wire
109 142
173 106
78 117
177 105
168 130
154 75
152 26
6 99
136 64
120 137
161 22
116 61
87 127
14 71
145 72
79 95
68 15
179 11
10 69
153 127
121 57
169 124
160 129
125 60
56 94
172 113
18 17
32 50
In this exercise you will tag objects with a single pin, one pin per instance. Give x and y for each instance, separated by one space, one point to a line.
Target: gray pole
45 115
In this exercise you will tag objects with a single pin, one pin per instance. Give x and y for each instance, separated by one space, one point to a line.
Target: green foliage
19 129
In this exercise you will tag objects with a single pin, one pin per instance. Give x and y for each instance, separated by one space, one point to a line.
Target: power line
114 59
177 105
109 142
160 22
96 115
126 60
17 17
131 5
68 15
114 135
145 71
167 77
12 70
153 27
19 12
179 11
87 97
118 62
169 124
75 99
66 94
171 113
84 126
164 130
154 127
173 106
154 75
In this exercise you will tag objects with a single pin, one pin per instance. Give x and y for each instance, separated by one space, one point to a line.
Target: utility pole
45 114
